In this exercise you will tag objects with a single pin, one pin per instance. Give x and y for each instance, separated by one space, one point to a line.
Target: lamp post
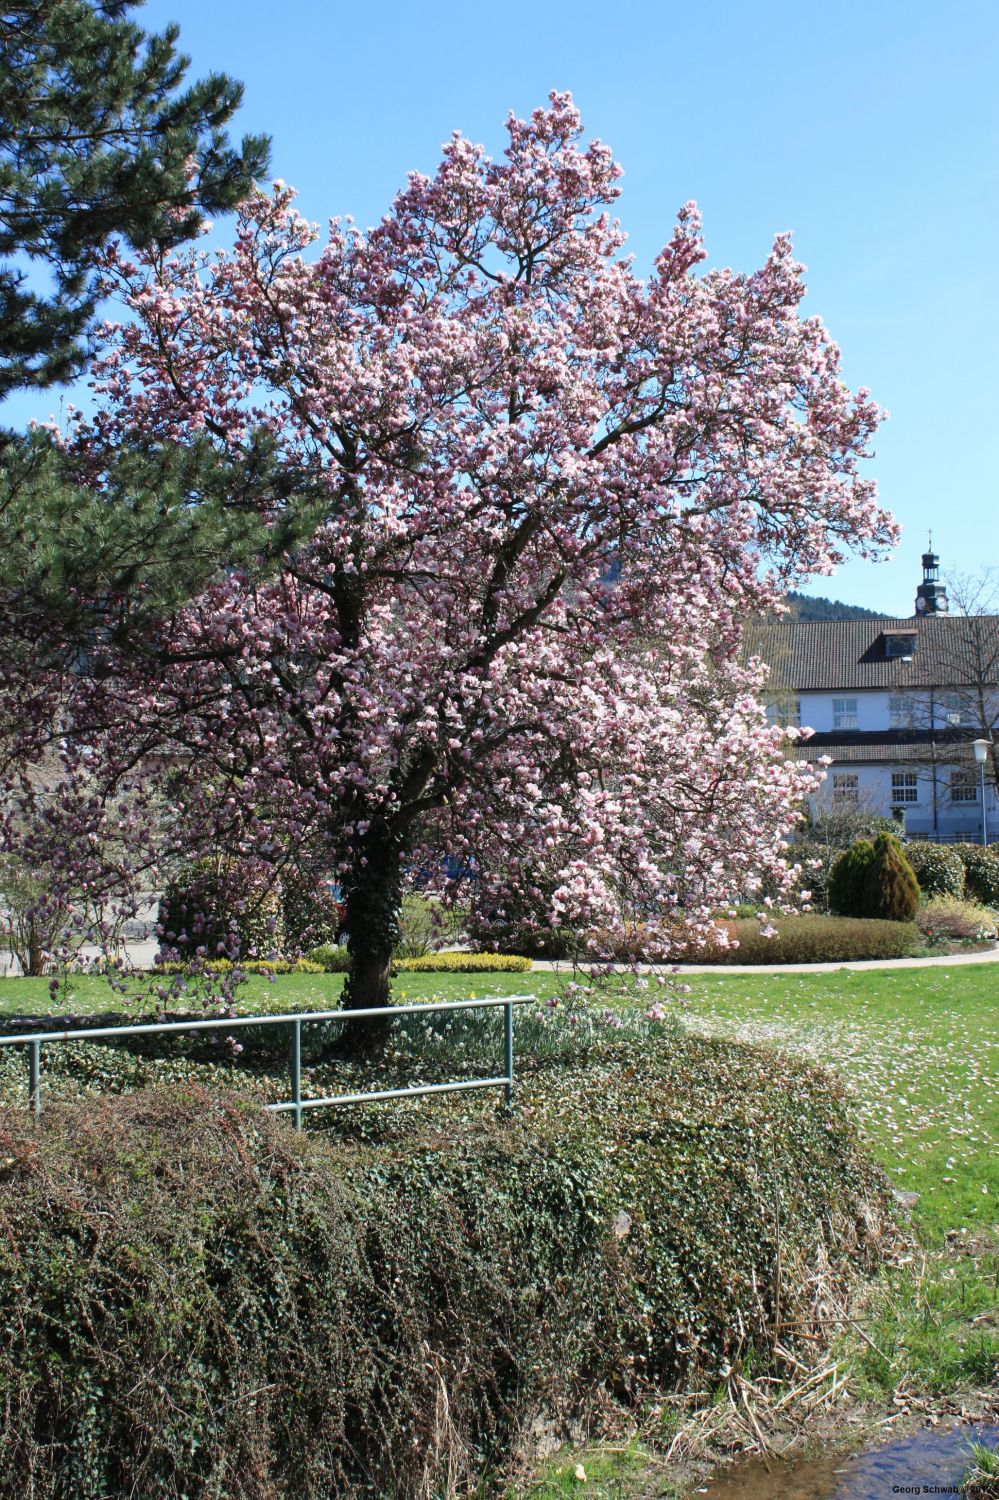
981 749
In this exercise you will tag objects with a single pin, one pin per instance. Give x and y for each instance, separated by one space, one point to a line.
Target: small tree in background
848 881
890 888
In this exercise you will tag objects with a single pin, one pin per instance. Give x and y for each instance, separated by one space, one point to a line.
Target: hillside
805 607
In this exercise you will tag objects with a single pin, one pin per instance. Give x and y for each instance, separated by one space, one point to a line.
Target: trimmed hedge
981 871
196 1301
464 963
814 939
939 868
251 966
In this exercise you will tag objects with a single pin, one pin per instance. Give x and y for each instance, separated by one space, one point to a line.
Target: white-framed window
844 713
956 711
845 786
904 787
901 711
902 644
963 785
784 711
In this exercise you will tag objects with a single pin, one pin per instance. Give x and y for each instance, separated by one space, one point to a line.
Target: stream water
930 1462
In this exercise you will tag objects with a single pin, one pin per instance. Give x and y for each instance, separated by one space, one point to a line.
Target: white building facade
895 705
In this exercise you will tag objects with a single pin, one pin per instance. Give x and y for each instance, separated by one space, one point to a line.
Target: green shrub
531 940
221 907
938 868
848 880
814 939
981 871
464 963
330 960
948 918
891 887
196 1300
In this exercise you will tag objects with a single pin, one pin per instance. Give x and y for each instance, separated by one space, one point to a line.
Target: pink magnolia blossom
550 492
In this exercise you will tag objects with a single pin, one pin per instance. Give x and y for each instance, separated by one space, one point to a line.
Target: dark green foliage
981 871
88 558
195 1301
533 941
226 910
806 608
815 939
938 868
848 880
819 841
99 137
891 887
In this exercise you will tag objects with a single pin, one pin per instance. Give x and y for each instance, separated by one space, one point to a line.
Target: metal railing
34 1041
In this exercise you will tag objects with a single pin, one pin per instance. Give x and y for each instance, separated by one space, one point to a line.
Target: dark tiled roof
825 655
890 746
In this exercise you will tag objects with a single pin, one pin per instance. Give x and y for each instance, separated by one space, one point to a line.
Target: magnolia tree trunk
373 901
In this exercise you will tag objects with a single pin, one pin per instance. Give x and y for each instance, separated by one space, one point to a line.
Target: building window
956 711
904 787
844 713
785 712
963 786
901 711
846 786
903 645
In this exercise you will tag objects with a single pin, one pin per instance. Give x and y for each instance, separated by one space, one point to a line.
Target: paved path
990 956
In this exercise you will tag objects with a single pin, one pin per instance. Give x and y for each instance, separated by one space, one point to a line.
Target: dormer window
900 644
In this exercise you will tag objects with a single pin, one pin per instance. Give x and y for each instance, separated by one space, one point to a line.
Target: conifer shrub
195 1300
938 868
890 888
848 889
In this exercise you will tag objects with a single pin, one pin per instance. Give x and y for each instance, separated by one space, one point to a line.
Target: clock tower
931 595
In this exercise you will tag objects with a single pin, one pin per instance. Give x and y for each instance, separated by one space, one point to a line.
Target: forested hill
807 608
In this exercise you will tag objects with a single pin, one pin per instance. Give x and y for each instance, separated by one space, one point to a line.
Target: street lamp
981 749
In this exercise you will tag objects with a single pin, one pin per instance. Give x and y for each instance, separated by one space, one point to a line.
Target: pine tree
88 558
98 138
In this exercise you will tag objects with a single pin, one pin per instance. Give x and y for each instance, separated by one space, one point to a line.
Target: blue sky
869 128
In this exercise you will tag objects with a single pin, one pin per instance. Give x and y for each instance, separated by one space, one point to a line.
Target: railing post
296 1070
35 1078
508 1053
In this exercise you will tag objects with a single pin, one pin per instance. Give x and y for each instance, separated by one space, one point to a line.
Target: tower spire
931 595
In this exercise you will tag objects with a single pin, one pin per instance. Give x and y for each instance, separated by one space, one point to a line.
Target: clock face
921 605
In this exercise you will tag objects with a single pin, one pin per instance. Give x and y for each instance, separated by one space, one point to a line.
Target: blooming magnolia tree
551 492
